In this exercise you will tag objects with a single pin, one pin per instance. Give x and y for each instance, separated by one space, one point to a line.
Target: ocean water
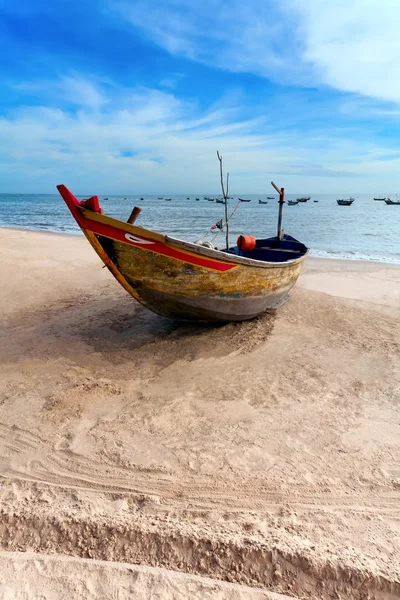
367 230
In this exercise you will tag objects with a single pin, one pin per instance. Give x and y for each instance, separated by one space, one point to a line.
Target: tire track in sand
27 457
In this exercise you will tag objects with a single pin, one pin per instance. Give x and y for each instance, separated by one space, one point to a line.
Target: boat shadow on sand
120 329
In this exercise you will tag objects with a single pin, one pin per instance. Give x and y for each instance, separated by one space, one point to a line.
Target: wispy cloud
253 36
353 47
171 81
73 89
148 140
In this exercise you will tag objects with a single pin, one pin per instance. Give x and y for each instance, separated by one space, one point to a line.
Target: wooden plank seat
278 250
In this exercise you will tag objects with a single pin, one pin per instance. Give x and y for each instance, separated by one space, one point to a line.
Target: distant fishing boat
271 197
220 200
304 199
211 199
244 200
381 199
106 198
316 200
197 199
141 198
263 202
392 202
187 198
345 201
161 197
293 202
167 199
188 281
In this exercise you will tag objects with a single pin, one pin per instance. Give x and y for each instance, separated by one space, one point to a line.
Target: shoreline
79 234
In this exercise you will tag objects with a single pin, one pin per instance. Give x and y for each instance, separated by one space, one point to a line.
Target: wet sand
265 454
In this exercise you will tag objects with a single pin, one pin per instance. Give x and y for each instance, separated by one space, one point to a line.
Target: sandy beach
153 459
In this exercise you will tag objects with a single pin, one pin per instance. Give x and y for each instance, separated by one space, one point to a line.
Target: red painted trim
93 205
152 245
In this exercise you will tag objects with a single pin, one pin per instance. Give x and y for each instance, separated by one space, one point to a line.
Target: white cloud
351 46
254 36
172 145
150 141
82 92
172 81
73 89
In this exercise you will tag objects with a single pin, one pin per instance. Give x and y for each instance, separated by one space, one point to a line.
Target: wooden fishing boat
345 201
263 202
380 199
293 202
183 280
245 200
304 199
271 197
392 202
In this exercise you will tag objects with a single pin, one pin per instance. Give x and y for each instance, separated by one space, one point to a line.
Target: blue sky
121 96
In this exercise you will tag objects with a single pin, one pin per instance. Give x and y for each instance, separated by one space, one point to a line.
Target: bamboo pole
225 195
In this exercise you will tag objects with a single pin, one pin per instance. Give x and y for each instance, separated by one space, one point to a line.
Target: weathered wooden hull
181 280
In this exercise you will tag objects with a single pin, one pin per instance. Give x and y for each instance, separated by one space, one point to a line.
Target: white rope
224 224
201 240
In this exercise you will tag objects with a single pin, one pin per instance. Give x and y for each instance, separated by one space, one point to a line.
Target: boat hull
187 291
181 280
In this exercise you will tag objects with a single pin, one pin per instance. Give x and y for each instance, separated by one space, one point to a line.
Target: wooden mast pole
281 193
225 195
